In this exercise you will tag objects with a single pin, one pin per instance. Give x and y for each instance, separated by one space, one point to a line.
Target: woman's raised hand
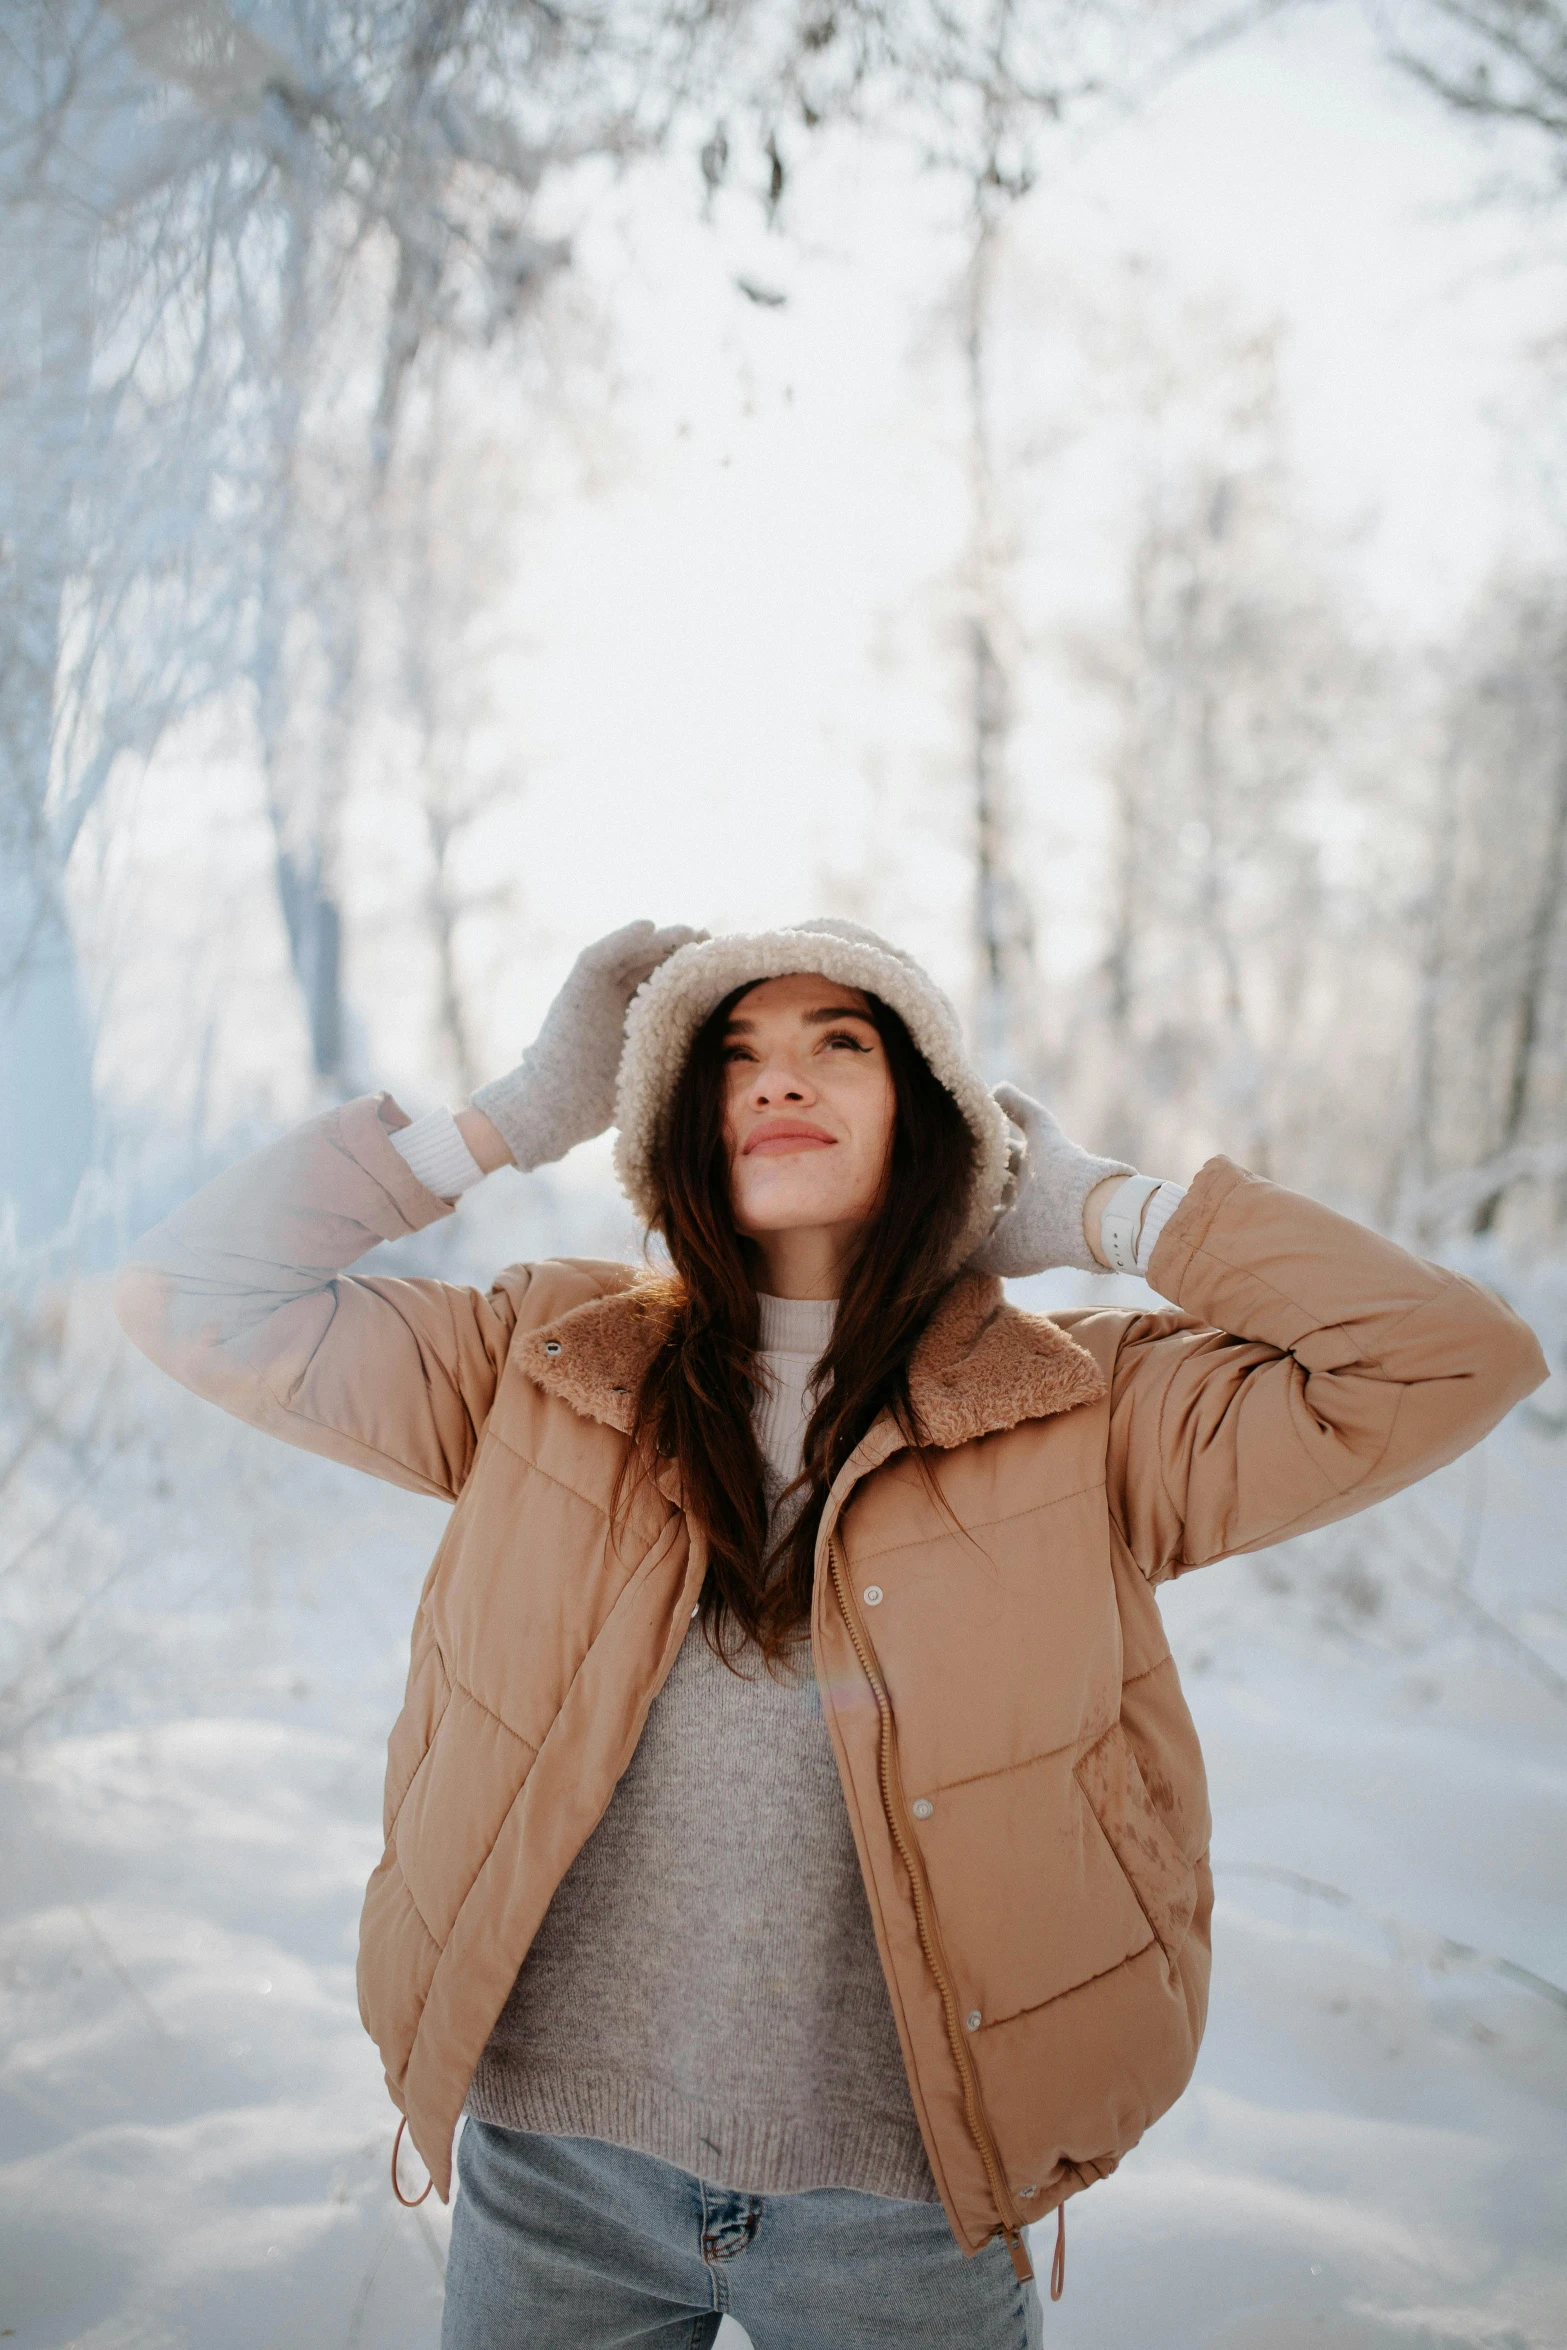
563 1089
1044 1224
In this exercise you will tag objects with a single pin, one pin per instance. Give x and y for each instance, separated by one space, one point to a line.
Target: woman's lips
775 1140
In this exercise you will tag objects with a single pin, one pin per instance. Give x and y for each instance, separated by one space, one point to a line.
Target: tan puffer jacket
1020 1769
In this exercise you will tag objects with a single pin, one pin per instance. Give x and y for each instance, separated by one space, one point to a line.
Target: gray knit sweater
705 1986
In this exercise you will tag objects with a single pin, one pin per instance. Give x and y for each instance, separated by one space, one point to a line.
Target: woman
796 1839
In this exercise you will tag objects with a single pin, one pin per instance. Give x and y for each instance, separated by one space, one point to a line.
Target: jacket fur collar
983 1365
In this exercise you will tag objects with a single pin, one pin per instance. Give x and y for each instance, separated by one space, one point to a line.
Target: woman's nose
779 1083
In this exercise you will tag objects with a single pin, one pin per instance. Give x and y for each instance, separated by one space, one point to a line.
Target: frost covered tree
114 618
1497 61
436 622
1003 922
1235 682
1491 1027
998 175
235 235
1489 1065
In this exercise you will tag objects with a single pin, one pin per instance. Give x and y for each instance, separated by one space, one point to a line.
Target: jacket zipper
924 1922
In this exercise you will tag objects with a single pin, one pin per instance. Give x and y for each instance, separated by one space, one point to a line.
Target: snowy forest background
1077 484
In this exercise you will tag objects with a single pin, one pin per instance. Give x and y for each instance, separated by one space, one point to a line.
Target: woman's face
809 1107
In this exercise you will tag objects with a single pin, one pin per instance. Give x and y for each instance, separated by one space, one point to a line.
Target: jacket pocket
1163 1880
1030 1896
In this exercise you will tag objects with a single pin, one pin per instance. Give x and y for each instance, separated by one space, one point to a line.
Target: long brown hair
695 1401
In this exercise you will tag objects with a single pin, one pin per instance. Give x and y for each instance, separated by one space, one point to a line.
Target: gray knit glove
563 1089
1044 1224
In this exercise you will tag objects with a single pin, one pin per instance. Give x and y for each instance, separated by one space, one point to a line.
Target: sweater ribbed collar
795 1325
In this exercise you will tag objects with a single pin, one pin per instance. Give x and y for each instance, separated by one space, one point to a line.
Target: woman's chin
793 1208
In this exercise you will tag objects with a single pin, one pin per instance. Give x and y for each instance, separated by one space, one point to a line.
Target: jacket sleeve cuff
1179 1239
364 1130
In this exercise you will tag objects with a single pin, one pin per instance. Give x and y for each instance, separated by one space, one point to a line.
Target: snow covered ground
193 2131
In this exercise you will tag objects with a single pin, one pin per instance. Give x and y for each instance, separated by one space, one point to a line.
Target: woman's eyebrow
741 1026
838 1012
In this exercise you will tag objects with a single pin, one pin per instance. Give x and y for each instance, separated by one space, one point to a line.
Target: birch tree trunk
304 787
46 1131
1007 1008
1529 1029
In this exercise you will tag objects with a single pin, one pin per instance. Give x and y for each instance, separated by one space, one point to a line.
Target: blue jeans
571 2244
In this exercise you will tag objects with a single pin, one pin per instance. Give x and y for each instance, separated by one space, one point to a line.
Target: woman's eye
844 1036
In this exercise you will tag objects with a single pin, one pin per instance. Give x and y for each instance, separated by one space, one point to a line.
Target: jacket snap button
552 1346
974 2019
1026 2193
923 1808
873 1595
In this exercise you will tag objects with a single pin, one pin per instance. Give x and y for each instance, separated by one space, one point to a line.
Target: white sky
730 688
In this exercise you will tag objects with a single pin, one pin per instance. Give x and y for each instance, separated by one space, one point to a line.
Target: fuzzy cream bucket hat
668 1009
